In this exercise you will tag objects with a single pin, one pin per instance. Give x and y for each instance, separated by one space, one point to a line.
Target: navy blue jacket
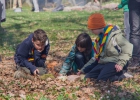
23 53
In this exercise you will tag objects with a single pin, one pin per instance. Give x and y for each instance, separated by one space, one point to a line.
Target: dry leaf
22 96
21 92
11 94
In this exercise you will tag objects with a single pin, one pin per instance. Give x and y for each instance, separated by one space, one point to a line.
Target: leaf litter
72 87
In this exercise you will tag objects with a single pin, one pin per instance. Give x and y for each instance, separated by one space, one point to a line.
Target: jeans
90 67
134 20
2 11
35 5
106 72
126 25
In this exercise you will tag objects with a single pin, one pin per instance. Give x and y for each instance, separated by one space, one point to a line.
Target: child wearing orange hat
112 51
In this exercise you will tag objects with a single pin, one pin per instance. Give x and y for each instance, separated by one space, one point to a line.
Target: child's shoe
127 75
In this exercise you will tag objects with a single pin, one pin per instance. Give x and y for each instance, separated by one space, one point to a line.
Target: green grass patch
58 26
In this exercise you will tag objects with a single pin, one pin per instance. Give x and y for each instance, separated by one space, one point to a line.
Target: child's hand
118 68
116 8
36 72
79 73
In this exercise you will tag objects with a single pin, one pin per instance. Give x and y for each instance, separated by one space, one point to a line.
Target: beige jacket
117 49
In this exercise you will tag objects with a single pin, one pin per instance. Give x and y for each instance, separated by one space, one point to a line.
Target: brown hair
40 35
84 41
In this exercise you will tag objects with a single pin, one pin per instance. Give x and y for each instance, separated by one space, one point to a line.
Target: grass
61 27
111 1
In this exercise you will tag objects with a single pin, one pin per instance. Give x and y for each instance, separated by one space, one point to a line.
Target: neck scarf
31 58
103 41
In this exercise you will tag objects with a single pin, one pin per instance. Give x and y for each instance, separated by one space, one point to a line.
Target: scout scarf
31 58
103 41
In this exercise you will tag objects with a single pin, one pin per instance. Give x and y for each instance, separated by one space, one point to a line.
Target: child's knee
89 75
23 69
78 55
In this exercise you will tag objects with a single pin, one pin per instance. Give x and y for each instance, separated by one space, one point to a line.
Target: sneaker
18 10
36 11
33 9
127 75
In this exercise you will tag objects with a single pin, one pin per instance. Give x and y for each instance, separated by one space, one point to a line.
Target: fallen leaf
22 96
21 92
11 94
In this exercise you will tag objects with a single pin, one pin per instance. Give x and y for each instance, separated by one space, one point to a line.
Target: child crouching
112 51
79 55
31 54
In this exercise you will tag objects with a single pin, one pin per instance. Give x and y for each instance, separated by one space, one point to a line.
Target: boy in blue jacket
31 54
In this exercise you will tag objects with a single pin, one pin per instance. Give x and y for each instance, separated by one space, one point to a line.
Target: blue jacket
24 52
69 62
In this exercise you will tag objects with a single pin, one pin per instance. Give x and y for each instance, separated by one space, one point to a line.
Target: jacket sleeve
22 53
68 61
126 50
40 58
122 4
92 60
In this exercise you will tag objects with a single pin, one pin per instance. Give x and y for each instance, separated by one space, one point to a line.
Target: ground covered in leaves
50 87
62 29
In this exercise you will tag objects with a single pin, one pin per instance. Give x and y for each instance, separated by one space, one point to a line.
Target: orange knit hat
96 21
